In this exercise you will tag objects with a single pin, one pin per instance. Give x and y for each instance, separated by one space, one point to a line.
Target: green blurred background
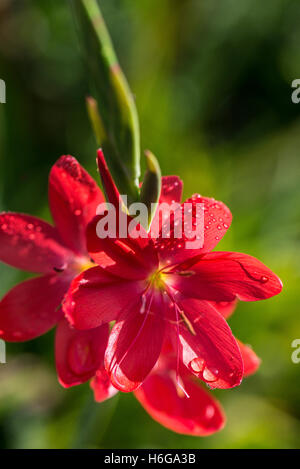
212 81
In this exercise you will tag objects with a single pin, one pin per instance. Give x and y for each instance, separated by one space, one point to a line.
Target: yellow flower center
156 280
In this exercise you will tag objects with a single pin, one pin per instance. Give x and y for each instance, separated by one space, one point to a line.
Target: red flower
155 288
58 253
187 408
170 394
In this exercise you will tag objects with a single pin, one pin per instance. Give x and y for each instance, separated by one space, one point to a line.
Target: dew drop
210 376
197 365
30 226
264 279
78 213
225 226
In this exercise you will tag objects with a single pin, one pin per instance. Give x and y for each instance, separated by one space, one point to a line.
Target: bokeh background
212 81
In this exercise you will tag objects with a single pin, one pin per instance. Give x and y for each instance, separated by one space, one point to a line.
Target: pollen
156 280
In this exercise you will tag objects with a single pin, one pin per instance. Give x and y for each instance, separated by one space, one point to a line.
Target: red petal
97 297
78 354
216 221
112 193
171 192
250 359
123 256
133 349
198 415
224 276
32 308
102 387
171 189
31 244
73 197
226 308
209 349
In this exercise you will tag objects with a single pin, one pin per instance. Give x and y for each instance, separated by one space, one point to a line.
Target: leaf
117 111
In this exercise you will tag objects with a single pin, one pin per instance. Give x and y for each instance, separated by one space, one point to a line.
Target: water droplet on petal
78 213
264 279
197 365
209 376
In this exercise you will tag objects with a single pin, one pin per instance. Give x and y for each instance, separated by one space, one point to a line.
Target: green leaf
120 137
151 188
96 121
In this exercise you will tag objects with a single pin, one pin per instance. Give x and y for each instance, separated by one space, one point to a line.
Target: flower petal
32 308
224 276
31 244
73 197
171 189
102 387
78 354
226 308
133 349
112 193
250 359
96 297
209 350
171 193
207 230
198 415
124 256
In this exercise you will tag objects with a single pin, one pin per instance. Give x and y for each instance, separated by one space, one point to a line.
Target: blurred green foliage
212 82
